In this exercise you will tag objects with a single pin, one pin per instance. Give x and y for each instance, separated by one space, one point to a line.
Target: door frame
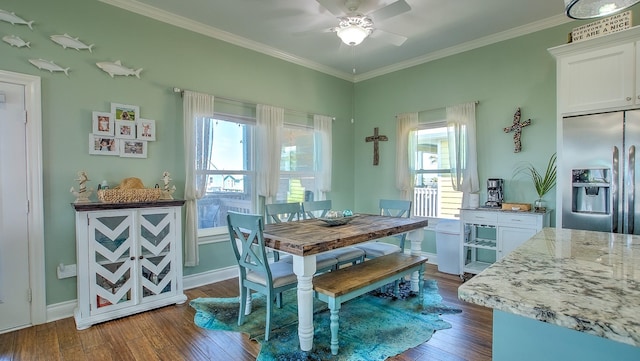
35 218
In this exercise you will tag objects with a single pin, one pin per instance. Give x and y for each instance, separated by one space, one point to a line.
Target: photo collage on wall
121 132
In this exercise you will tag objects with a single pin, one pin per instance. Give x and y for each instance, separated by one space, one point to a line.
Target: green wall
170 57
502 77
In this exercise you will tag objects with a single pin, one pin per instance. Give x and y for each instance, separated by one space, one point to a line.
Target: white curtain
270 122
406 148
322 129
196 106
463 156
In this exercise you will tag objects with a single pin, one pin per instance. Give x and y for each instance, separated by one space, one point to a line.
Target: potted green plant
542 182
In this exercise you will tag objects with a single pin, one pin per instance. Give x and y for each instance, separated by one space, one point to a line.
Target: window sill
212 236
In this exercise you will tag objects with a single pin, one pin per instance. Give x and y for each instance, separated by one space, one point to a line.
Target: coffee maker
495 192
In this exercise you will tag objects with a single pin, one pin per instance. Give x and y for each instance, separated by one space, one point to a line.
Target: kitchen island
564 295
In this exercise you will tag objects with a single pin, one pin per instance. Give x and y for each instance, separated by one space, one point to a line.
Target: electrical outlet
66 271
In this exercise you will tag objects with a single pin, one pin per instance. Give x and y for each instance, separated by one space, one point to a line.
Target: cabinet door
157 253
111 261
509 238
597 80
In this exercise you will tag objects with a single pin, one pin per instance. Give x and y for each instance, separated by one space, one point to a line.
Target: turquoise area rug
374 326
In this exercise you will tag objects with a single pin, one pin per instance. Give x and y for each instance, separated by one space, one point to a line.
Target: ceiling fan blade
315 31
332 6
389 11
388 37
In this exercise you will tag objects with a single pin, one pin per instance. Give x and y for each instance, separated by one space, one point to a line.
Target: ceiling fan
354 27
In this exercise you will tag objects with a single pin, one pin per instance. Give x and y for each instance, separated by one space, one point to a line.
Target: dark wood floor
169 334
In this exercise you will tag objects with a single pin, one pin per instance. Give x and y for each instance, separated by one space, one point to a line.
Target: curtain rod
443 107
299 112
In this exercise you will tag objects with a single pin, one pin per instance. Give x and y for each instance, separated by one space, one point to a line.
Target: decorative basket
129 195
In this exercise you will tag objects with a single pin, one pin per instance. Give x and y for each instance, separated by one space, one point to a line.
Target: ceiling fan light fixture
589 9
352 35
354 29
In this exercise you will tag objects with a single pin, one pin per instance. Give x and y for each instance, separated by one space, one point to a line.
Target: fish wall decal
48 65
14 19
67 41
116 68
15 40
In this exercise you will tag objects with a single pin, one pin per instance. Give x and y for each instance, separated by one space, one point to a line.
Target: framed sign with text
601 27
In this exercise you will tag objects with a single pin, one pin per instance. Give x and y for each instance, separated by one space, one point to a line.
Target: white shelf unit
472 243
129 259
511 229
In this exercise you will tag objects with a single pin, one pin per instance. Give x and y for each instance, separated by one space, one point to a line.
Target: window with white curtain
231 173
433 193
297 165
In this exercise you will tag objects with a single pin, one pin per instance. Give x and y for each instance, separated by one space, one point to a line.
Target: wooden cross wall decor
375 138
516 128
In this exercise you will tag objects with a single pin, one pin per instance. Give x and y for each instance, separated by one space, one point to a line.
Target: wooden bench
347 283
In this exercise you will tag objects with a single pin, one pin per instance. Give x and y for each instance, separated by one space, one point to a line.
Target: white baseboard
213 276
432 257
65 309
61 310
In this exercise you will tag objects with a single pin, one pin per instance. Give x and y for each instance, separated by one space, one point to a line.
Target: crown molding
197 27
470 45
191 25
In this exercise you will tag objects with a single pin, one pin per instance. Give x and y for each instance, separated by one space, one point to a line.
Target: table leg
304 268
415 237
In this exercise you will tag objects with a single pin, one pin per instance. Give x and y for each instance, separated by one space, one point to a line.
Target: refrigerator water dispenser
591 191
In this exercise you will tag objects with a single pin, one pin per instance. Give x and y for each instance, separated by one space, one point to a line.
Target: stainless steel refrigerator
599 171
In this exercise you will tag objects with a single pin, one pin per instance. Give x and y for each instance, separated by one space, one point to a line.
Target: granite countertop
582 280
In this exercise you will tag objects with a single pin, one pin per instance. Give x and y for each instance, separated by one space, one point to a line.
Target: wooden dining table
304 240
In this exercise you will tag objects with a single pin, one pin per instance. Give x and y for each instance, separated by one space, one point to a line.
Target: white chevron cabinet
129 259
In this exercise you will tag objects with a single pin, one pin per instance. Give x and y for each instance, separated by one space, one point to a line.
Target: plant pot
540 206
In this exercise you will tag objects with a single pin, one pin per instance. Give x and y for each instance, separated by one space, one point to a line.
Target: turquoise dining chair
345 255
283 212
291 212
391 208
315 209
256 273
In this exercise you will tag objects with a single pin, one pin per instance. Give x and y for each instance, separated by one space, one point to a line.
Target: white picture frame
103 123
103 145
133 148
125 111
125 129
146 129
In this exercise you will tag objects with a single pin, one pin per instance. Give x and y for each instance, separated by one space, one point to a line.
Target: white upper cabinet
599 79
599 74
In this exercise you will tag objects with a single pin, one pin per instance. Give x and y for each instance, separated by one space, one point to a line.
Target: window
227 153
229 172
433 194
297 165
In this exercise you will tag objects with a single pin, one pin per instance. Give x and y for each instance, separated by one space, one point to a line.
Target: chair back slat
314 209
395 208
283 212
